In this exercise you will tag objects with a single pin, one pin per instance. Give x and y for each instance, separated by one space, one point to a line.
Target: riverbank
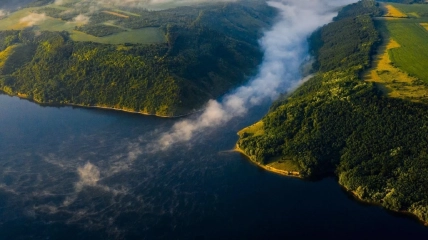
354 194
121 110
25 97
268 167
358 197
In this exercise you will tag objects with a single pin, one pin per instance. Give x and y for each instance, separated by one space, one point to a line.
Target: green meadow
146 35
399 68
412 55
412 10
13 20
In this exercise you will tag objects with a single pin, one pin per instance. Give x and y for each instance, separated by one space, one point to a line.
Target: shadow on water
72 173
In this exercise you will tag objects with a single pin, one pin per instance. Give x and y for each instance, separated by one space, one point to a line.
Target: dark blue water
73 173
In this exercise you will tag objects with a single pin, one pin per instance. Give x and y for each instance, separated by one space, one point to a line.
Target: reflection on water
87 174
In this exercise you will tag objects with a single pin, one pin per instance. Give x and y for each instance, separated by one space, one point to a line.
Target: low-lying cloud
33 19
3 13
59 2
285 49
89 175
81 19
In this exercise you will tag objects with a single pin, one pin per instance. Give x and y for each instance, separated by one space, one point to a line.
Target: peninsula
363 117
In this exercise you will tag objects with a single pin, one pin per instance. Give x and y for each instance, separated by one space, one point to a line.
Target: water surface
75 173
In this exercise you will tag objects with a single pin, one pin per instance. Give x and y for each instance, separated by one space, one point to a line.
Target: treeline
337 124
370 8
244 20
198 62
406 1
38 3
100 30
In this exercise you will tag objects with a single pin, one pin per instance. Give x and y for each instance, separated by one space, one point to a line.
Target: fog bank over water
285 49
76 173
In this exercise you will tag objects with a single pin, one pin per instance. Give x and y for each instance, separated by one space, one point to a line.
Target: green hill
167 62
337 124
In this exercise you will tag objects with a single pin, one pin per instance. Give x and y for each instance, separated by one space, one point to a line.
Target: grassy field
284 165
116 14
393 12
412 56
255 130
412 10
425 25
126 12
144 35
5 54
12 21
401 66
278 164
44 23
395 82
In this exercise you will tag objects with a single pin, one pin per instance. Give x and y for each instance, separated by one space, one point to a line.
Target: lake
76 173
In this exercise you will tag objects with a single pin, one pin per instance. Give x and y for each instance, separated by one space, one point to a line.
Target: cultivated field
425 25
27 17
412 10
412 56
402 61
396 82
393 12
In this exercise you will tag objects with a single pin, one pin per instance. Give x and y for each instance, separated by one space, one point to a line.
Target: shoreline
377 204
116 109
267 168
351 193
24 97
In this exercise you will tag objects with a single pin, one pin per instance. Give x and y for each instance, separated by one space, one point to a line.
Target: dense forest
406 1
207 52
337 124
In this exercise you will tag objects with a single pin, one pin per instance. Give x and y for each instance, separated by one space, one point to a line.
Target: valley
165 62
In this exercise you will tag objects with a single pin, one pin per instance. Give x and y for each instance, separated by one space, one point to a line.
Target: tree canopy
337 124
209 49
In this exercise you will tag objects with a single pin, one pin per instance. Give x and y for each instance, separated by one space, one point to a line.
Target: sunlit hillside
102 24
164 62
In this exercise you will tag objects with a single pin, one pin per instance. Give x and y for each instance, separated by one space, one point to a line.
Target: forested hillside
337 124
406 1
208 50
